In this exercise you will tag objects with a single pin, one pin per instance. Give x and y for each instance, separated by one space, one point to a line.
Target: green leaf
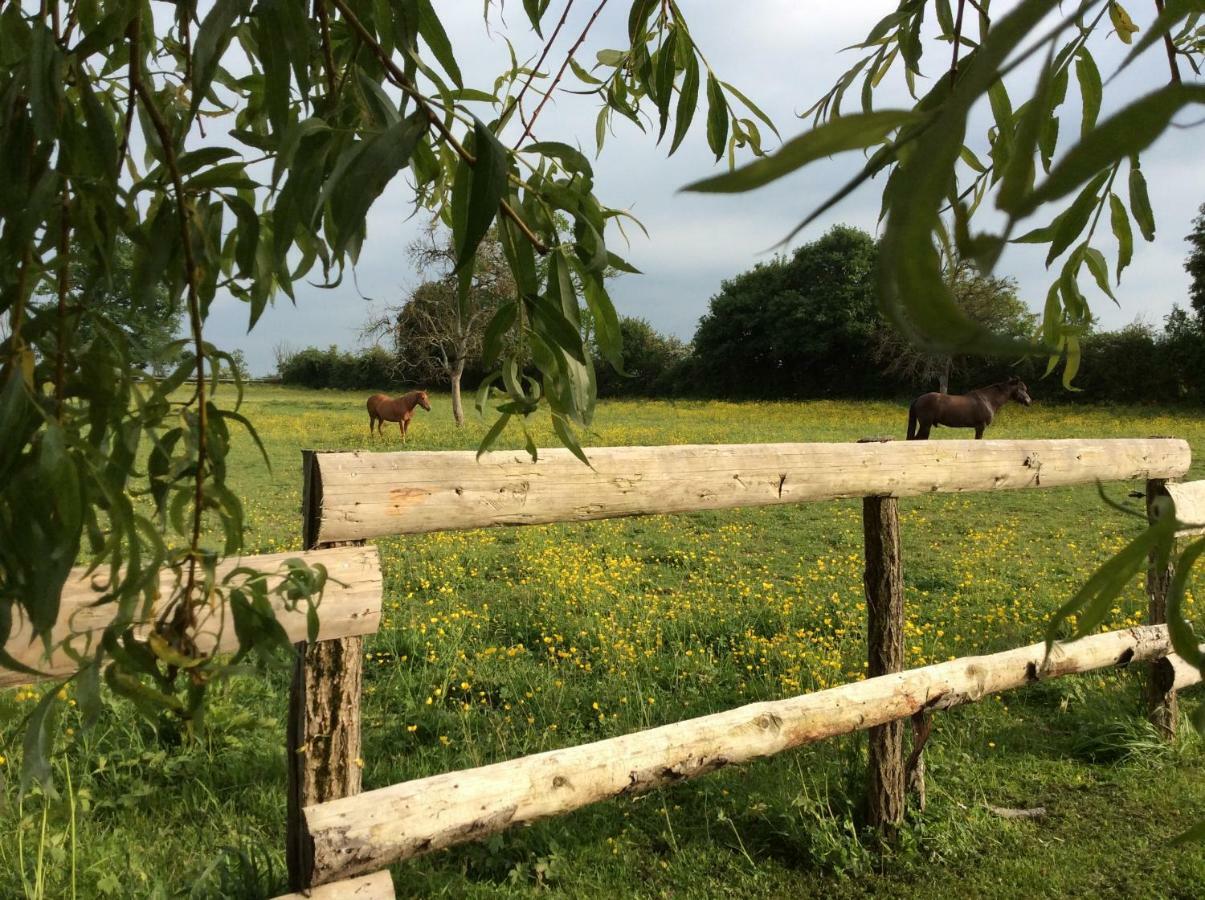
752 107
433 33
1126 133
688 99
535 12
638 17
370 166
1120 222
569 439
491 436
1090 90
606 321
912 292
1140 202
1071 223
1099 269
852 132
571 158
486 189
217 28
501 322
39 742
717 116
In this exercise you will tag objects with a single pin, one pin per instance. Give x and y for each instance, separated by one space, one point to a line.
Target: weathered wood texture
883 579
351 605
365 495
364 833
1162 709
1190 505
322 738
377 886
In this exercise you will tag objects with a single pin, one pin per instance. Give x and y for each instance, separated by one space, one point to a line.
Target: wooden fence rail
366 495
351 605
366 832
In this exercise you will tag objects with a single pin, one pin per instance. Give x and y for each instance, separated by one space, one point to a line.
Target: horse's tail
912 422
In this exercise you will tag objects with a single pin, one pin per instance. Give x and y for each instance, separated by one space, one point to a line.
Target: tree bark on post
1162 708
885 646
322 750
456 374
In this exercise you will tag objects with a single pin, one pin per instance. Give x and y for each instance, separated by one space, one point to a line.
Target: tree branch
184 612
518 101
560 73
1170 47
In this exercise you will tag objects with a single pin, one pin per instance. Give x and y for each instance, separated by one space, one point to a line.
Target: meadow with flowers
504 642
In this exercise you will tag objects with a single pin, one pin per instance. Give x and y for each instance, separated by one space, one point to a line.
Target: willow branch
64 261
1170 46
518 101
184 215
328 59
398 77
957 42
555 81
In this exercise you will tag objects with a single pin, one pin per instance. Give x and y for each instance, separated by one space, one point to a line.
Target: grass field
505 642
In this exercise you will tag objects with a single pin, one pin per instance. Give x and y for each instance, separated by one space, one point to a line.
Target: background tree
1195 265
649 360
988 300
148 322
438 331
799 326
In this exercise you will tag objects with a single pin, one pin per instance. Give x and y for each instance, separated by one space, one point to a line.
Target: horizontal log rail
350 605
1189 497
377 886
359 495
363 833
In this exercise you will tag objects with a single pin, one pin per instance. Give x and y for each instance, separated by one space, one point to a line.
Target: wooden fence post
1162 708
885 646
322 749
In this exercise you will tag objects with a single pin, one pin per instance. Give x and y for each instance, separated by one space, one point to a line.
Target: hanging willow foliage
238 148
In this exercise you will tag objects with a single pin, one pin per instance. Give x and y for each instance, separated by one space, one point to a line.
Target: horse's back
927 403
374 402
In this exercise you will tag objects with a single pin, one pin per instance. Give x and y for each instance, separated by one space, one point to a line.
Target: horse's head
423 401
1018 391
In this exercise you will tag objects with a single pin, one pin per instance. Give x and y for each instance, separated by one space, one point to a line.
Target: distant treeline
807 326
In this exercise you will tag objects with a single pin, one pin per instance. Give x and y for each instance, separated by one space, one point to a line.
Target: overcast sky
783 54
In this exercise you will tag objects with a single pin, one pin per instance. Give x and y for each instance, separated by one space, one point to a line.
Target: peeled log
377 886
350 605
364 495
1190 506
366 832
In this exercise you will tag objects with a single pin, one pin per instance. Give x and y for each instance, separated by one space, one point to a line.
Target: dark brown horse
974 410
381 410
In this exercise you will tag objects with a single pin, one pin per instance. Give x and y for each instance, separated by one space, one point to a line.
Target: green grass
505 642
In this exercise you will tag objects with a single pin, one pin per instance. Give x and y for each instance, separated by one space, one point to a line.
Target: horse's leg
923 434
401 425
371 422
979 432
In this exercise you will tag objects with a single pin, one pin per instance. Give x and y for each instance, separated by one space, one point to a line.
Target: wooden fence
335 832
357 496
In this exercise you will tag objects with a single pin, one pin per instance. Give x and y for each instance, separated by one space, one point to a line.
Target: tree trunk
457 403
943 380
1161 702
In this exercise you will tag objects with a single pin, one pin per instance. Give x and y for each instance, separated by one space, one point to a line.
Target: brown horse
381 410
974 410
